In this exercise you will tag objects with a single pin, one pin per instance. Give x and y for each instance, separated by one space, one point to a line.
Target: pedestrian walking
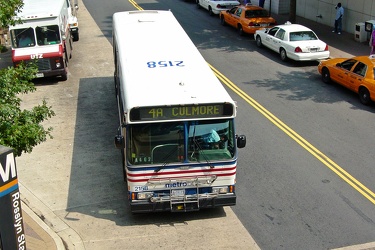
372 42
338 18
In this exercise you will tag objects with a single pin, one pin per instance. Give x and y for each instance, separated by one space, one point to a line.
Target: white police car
293 41
215 6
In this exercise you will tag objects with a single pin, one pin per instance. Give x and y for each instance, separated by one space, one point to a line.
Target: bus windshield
185 141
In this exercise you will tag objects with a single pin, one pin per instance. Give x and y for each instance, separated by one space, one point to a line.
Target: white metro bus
177 133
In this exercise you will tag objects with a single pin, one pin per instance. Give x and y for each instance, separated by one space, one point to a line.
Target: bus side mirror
119 141
241 141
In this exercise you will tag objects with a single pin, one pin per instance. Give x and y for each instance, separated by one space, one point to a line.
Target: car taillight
326 49
218 6
13 54
298 50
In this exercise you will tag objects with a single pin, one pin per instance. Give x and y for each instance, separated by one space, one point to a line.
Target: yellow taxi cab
356 74
247 18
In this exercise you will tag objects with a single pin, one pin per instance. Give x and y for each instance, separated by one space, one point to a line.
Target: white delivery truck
45 35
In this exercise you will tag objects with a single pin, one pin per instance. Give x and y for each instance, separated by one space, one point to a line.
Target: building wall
355 11
4 37
277 6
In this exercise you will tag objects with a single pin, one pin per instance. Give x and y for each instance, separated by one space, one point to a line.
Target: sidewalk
342 45
40 236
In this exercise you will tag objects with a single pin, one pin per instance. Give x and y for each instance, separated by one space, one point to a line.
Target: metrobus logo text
176 184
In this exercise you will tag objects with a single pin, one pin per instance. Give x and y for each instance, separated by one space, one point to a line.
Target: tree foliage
19 129
8 12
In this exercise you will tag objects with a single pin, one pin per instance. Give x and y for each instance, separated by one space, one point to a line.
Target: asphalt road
290 194
74 181
288 197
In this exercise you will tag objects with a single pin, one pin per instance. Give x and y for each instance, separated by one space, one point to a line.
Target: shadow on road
96 184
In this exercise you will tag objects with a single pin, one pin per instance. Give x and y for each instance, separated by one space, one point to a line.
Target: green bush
3 49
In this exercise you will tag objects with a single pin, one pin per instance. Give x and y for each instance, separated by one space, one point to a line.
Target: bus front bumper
148 206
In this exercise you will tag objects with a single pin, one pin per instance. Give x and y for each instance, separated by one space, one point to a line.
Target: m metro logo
8 168
8 174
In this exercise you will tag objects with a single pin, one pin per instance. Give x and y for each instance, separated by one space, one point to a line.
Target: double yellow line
135 5
296 137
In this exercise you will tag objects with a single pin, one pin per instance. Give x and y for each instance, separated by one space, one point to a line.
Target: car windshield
302 36
174 142
256 13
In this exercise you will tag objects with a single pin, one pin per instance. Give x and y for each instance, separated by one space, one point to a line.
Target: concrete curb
58 242
65 237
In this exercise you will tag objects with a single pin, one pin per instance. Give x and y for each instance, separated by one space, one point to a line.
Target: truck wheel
75 37
64 76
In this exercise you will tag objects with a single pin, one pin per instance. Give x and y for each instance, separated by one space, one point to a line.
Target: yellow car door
232 17
341 72
356 76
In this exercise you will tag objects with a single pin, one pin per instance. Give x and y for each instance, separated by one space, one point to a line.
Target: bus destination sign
181 112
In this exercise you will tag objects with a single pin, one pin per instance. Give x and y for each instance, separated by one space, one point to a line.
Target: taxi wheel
222 21
259 41
364 96
326 77
240 30
283 55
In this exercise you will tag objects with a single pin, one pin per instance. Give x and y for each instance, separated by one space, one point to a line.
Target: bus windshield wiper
201 152
167 156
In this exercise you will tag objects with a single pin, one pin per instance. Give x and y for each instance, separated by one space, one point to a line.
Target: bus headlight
220 190
58 65
144 196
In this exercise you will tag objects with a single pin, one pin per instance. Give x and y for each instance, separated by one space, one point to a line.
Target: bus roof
160 64
36 9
